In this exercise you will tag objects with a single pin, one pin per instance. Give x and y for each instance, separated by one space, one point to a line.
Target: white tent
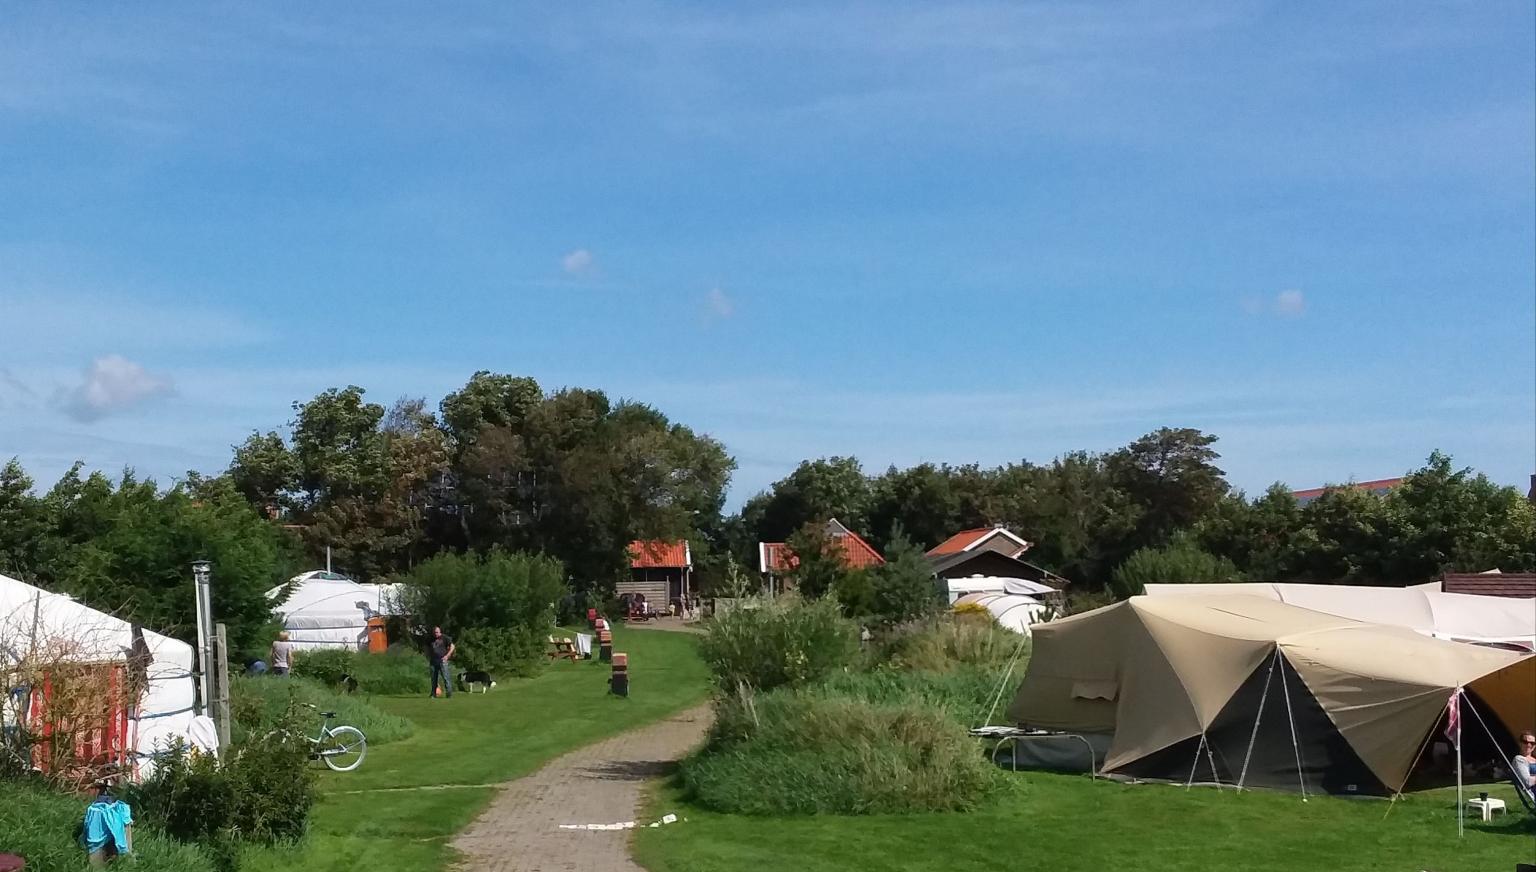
1013 611
326 610
1456 616
33 620
959 587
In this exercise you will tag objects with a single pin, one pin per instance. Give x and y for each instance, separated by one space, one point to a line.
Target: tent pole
1253 737
1210 757
1291 716
1196 765
1460 807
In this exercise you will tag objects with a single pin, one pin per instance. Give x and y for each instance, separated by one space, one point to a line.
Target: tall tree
920 499
1171 474
265 471
488 400
23 523
830 487
338 446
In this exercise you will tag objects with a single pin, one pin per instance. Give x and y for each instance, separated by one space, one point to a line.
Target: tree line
502 463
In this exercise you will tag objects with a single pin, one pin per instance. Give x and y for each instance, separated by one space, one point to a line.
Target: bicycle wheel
343 748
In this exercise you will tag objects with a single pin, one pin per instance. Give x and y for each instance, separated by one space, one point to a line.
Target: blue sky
949 232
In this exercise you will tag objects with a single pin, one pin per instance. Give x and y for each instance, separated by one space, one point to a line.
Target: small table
1486 807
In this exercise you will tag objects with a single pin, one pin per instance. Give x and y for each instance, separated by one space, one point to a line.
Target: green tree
1259 537
23 523
139 566
265 471
921 500
1171 475
488 400
833 487
498 606
1455 519
1181 561
339 447
904 586
818 564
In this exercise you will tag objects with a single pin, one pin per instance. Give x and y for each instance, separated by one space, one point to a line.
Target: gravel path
598 784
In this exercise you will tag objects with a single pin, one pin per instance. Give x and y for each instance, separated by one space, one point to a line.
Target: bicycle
340 748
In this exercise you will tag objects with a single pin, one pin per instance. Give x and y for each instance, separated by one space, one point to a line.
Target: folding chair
1527 797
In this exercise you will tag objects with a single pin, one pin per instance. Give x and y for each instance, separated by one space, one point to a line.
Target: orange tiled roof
659 554
856 553
960 541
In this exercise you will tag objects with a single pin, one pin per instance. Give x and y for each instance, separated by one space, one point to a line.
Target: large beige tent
1252 691
1457 616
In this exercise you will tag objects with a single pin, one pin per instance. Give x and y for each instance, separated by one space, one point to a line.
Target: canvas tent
1456 616
39 625
1251 691
326 610
1012 611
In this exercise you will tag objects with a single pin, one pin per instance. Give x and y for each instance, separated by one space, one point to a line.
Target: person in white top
281 659
1525 761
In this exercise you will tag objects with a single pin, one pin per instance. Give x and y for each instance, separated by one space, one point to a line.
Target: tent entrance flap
1327 760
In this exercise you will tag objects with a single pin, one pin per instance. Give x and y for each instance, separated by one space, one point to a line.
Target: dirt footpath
598 784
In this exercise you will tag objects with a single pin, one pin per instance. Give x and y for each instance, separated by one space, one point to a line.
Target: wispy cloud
577 263
718 305
1289 303
112 384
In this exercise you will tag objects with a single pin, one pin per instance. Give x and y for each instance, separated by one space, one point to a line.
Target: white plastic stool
1486 807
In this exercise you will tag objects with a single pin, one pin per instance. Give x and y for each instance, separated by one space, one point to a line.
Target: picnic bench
563 648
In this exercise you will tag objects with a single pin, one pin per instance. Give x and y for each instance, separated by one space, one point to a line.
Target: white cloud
112 384
718 305
578 262
1290 304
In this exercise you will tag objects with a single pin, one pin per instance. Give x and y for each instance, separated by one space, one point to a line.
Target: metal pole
221 661
200 570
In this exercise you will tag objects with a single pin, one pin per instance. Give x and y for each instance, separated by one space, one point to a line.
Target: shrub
40 825
498 607
260 704
786 641
904 586
400 670
1180 561
950 643
804 752
262 791
962 694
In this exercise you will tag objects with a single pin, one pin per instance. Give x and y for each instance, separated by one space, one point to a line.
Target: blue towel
107 819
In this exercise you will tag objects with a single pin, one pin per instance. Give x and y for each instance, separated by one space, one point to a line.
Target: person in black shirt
439 651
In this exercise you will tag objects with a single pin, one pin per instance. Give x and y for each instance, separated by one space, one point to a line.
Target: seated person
1525 761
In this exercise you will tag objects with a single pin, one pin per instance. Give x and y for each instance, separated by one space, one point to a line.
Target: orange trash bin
378 639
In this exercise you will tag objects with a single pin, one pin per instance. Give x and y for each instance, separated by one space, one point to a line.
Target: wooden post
221 665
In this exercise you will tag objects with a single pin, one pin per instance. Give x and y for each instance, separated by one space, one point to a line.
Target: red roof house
996 538
775 559
659 570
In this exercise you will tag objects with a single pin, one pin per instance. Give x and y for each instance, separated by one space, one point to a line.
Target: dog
348 683
468 680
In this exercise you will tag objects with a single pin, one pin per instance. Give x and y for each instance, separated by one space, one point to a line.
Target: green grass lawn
1062 822
363 821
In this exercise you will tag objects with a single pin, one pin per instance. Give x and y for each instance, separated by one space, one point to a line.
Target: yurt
1015 612
1251 691
40 629
326 610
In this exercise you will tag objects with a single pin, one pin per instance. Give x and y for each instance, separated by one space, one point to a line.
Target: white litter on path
622 825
